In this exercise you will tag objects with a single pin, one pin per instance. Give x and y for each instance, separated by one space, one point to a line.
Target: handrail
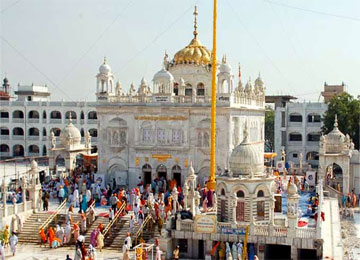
86 213
117 215
141 228
53 215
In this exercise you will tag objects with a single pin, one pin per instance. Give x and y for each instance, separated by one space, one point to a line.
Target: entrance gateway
162 171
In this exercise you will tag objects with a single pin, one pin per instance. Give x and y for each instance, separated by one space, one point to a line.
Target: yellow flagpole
245 243
212 183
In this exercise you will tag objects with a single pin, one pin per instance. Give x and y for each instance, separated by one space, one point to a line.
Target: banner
205 224
310 177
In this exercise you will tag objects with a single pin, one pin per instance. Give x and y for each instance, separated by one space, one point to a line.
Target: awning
270 155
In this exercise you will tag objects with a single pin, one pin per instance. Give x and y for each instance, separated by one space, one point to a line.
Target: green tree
269 129
347 109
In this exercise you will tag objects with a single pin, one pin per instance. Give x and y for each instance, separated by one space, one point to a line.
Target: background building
26 123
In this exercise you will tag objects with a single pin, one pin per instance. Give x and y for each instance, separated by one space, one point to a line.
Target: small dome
105 68
335 139
70 132
33 165
292 190
247 159
163 74
259 81
225 67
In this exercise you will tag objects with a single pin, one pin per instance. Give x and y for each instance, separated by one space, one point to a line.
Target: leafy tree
347 109
269 129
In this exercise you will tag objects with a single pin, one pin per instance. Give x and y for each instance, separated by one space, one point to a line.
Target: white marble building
26 123
157 130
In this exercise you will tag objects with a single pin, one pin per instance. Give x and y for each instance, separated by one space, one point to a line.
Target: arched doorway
147 177
161 171
334 176
60 161
176 173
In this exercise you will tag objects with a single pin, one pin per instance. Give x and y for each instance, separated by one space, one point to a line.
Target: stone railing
305 233
261 230
187 225
280 231
12 209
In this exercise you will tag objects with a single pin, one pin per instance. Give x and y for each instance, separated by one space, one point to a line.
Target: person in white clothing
2 251
76 198
13 243
128 240
131 224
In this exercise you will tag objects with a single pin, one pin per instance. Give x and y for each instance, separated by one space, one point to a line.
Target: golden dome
195 52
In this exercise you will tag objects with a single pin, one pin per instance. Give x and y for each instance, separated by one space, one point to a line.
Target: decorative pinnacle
104 59
336 122
195 21
239 71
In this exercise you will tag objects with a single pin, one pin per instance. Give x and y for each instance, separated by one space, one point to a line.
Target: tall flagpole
211 184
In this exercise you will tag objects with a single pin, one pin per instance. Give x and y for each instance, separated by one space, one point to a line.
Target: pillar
294 253
4 198
24 194
233 203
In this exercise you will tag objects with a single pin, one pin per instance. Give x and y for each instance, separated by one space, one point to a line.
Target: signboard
161 99
280 166
233 231
205 224
310 177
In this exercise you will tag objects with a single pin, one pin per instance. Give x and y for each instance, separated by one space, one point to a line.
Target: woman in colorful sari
93 237
84 203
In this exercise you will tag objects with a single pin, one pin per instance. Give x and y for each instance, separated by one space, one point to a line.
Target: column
4 198
24 193
294 253
233 203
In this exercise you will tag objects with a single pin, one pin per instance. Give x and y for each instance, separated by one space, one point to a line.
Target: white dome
225 68
335 139
70 132
105 68
163 74
292 190
33 165
259 81
247 159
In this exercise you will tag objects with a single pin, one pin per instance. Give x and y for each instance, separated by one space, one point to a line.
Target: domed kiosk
245 193
69 146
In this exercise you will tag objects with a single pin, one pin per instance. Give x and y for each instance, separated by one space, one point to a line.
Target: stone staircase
29 233
117 235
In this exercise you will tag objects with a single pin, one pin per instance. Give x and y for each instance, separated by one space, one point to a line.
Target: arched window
44 131
34 114
56 131
4 114
4 131
222 192
93 132
313 137
188 90
312 156
18 150
240 194
295 137
18 131
200 90
92 115
314 118
34 131
44 150
34 149
73 115
82 115
4 148
44 114
18 114
55 115
295 117
206 141
260 194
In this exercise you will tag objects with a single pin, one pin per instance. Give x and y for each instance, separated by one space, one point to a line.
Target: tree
347 109
269 129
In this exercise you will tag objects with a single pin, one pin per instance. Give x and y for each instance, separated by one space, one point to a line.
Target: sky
296 45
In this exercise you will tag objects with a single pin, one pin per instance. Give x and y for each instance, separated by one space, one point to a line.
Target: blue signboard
233 231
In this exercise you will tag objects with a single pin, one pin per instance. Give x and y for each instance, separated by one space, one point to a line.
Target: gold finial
239 71
195 21
104 59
